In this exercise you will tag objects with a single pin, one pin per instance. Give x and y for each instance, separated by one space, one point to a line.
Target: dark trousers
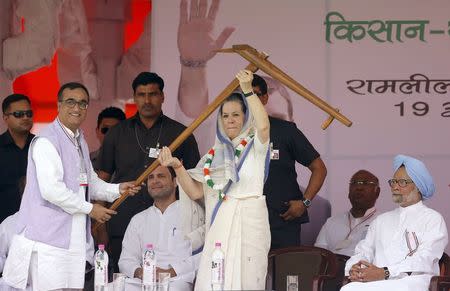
114 251
284 237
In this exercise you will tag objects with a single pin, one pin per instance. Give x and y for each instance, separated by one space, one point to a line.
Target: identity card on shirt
153 153
274 154
83 179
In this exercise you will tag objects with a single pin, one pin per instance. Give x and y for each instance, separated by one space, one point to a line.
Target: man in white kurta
160 225
402 247
43 266
343 231
7 231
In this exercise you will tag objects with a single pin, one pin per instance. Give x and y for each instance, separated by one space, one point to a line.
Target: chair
316 268
340 274
442 282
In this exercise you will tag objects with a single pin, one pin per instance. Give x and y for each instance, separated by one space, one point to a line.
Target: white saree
240 221
241 225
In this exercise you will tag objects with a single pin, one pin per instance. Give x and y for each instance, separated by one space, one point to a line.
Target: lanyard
83 171
144 149
76 142
364 220
408 242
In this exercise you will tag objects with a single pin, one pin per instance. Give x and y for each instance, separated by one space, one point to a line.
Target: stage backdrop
384 64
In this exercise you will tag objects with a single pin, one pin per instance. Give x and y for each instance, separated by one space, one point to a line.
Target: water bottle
149 268
101 269
217 268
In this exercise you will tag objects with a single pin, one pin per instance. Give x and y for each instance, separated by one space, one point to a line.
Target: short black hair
71 86
236 97
13 98
258 81
110 112
145 78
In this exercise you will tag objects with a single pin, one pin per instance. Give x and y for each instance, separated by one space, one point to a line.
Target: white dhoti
409 283
242 226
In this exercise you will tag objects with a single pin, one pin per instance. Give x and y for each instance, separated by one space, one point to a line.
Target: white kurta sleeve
260 147
197 237
322 241
2 262
365 249
431 247
131 256
50 173
7 231
3 248
100 190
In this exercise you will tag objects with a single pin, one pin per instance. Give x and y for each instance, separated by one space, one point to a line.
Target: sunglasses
21 113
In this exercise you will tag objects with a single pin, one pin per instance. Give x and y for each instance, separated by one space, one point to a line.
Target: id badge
274 154
153 153
83 179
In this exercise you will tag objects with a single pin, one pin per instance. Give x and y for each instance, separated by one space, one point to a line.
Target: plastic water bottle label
148 275
217 271
101 269
149 268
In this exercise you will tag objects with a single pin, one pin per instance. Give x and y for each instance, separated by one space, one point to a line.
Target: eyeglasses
104 130
401 182
21 113
362 182
83 105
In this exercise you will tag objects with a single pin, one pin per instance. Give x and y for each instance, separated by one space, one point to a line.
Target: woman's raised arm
262 124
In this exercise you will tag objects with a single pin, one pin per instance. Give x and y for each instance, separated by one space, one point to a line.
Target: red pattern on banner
42 85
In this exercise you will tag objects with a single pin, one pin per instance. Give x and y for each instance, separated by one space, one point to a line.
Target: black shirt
124 153
13 165
281 185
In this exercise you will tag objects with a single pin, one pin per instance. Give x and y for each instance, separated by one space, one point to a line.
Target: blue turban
418 173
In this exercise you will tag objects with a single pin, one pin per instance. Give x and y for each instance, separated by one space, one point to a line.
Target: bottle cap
101 247
149 246
218 244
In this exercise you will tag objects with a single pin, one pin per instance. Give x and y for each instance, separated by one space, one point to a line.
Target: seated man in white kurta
7 231
160 225
402 247
342 232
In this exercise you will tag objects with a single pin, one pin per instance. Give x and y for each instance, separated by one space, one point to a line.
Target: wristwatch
306 202
386 273
248 94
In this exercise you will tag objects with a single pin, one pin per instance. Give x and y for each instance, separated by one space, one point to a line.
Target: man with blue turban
403 246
